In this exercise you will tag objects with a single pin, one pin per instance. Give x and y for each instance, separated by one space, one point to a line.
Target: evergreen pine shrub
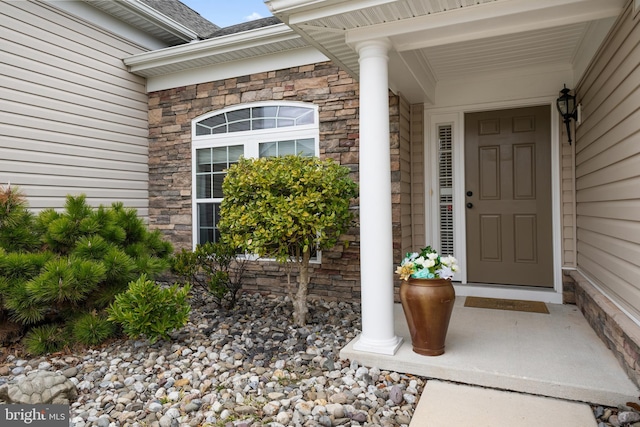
57 265
92 329
45 339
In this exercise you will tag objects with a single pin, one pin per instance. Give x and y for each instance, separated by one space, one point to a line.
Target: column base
388 347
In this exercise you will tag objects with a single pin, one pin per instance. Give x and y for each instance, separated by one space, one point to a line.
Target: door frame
455 117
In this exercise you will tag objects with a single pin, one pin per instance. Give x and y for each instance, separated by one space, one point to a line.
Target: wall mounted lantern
567 107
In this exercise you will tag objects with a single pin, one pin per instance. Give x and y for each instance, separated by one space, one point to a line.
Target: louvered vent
445 179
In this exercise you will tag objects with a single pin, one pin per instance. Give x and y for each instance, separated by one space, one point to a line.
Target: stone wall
324 84
616 329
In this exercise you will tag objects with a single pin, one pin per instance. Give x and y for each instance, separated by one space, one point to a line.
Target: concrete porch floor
556 355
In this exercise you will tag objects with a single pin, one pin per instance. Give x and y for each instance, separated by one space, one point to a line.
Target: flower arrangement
427 264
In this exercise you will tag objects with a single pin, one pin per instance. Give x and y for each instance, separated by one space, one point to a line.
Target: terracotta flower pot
427 305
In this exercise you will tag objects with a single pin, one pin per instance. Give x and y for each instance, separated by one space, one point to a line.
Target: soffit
436 40
552 46
328 33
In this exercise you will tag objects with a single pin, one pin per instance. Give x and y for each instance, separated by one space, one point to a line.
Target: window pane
235 152
206 235
264 111
219 159
219 154
268 149
283 123
203 186
239 126
286 148
234 116
207 220
216 214
205 215
201 130
221 129
292 112
203 160
306 147
213 121
217 185
264 124
306 118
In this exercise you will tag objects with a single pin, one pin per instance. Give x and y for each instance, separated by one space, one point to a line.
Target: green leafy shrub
58 265
92 329
285 208
150 310
45 339
214 268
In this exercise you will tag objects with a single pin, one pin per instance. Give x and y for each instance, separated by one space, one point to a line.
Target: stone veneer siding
616 329
324 84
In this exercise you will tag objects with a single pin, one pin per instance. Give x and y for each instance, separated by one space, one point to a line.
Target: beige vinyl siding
405 175
608 167
417 177
568 206
72 118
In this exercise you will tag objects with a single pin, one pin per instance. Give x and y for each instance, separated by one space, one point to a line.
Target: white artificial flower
445 272
432 255
420 261
429 263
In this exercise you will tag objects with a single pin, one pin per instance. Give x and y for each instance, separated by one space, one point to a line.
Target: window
445 190
219 139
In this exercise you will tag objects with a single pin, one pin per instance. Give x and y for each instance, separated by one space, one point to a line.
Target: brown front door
508 197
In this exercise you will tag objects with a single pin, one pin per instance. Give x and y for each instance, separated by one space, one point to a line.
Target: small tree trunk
300 308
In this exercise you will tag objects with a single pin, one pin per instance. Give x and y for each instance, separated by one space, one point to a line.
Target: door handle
469 205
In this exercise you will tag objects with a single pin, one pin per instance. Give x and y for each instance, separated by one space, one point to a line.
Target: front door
508 197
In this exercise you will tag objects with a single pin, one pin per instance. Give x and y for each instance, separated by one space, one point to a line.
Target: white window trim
251 141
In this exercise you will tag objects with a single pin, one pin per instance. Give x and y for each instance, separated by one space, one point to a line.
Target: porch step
445 404
556 355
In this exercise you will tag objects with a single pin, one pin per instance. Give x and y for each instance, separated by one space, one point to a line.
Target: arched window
220 138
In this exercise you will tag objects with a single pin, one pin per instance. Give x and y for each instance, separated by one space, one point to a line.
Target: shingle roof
245 26
184 15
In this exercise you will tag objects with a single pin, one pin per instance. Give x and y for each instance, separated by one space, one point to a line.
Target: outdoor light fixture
567 107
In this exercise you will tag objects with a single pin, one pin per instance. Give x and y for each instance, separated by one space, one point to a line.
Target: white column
376 238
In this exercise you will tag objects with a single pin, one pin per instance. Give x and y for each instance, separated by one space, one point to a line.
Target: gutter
213 46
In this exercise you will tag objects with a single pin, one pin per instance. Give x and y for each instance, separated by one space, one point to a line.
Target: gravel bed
250 366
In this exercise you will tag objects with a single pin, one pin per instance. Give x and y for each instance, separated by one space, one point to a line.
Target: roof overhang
243 52
147 19
439 40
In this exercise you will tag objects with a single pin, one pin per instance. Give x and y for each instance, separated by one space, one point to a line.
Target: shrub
92 329
150 310
58 265
45 339
214 268
285 208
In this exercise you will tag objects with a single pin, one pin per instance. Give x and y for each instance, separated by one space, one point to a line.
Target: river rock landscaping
250 366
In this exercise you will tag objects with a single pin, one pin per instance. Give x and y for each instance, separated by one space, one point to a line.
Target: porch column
376 239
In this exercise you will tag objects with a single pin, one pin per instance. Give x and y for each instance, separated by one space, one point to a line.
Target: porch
556 355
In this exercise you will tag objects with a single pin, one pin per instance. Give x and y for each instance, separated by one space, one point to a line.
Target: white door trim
455 117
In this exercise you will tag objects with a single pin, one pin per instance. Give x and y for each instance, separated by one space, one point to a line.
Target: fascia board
243 67
218 45
300 11
485 20
310 15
